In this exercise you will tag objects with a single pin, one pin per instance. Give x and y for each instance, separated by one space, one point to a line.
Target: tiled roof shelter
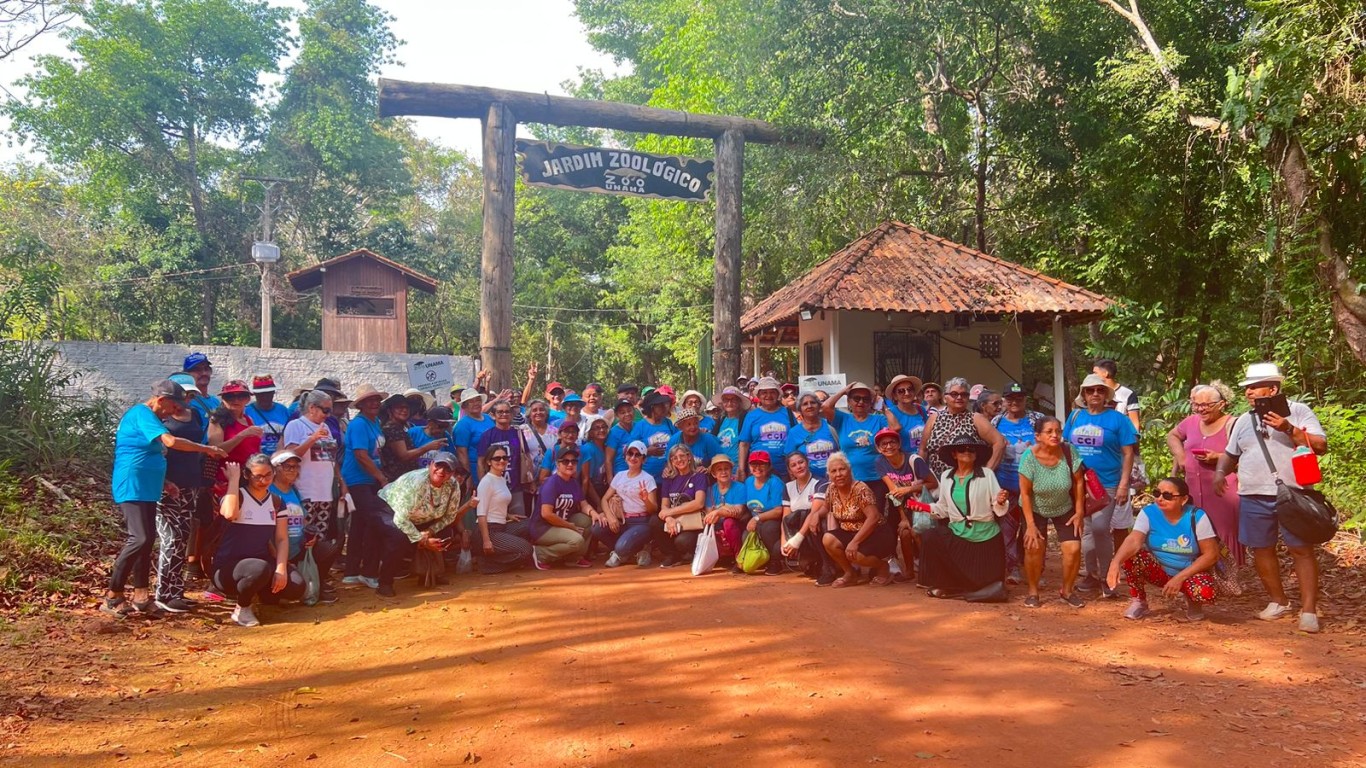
899 299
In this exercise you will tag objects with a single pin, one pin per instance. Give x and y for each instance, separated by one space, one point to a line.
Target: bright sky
526 45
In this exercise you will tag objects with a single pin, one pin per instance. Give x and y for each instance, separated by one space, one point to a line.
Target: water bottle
1306 466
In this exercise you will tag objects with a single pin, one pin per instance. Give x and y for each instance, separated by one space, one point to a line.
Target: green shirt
1052 485
979 530
417 503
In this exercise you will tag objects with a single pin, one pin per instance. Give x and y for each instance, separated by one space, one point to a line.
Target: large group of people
954 487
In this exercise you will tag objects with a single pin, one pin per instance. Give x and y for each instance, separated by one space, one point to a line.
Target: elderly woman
253 556
812 436
734 404
764 499
859 537
568 436
427 501
593 462
139 481
956 419
703 445
558 530
856 430
683 493
503 540
634 492
1196 445
698 402
932 397
910 414
319 482
302 537
654 430
803 514
398 456
725 508
231 430
1051 492
435 431
908 482
1172 546
1107 442
966 558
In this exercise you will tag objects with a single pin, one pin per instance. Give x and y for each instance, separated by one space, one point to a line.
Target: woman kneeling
859 537
253 557
1172 546
966 558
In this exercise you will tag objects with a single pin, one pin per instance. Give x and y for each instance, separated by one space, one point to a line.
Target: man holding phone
1285 426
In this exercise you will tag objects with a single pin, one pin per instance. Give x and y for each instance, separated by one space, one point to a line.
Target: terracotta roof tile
900 268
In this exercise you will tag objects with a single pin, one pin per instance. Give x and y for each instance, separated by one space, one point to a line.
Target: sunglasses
859 399
634 454
1168 495
1095 390
571 462
498 458
965 450
957 394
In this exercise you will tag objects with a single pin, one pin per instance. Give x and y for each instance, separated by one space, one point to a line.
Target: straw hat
366 391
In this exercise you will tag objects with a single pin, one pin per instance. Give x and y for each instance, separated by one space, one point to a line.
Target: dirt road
655 668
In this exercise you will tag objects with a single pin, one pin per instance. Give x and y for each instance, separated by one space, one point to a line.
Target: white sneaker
612 560
244 617
1273 611
1309 622
893 566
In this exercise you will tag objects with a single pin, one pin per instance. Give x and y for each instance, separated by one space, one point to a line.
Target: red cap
667 391
759 456
790 387
886 432
234 387
554 385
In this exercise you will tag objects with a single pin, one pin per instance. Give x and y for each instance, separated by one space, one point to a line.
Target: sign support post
496 266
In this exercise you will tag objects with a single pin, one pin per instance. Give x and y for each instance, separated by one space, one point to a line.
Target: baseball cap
634 445
552 386
789 387
234 387
1013 388
440 413
760 457
886 432
571 426
562 451
186 382
445 457
627 404
627 386
169 390
194 360
280 457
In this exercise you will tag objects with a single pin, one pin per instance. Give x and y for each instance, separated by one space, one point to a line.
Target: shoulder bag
1303 511
1094 497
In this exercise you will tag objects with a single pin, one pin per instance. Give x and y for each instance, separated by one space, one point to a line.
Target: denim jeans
633 536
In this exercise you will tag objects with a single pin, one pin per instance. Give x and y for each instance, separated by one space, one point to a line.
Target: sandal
939 593
881 581
845 581
117 607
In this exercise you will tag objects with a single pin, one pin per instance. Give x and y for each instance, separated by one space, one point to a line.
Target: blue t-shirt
856 440
466 435
1099 438
703 448
362 435
617 440
418 437
766 431
1019 436
206 406
654 435
912 427
556 417
593 457
758 499
815 446
1174 545
272 422
729 437
706 423
563 495
294 509
139 456
736 494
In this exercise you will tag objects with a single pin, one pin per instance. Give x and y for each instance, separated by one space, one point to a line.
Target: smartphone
1276 404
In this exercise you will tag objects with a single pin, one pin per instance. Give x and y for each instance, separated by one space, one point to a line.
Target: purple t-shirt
683 489
509 440
563 495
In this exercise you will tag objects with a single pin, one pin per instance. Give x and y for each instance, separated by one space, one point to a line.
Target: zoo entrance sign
614 171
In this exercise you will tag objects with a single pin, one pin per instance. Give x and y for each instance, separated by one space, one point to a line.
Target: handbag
308 569
428 566
753 554
527 470
1303 511
689 522
1094 497
705 555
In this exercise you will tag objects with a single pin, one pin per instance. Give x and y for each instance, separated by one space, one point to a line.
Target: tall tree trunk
980 131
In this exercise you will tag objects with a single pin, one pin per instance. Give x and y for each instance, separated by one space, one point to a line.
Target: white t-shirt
494 497
317 468
1125 400
628 488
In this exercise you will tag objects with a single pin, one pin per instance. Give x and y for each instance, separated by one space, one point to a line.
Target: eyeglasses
957 394
291 466
1168 495
498 458
1206 406
259 476
322 406
1095 390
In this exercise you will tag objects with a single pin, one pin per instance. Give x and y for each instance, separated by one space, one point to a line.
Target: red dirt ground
655 668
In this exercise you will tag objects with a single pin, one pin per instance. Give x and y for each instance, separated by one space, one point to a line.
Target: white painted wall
129 370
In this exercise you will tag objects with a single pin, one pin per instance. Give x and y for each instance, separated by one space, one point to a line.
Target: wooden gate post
730 170
495 281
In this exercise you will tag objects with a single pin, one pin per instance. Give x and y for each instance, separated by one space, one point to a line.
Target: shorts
1258 524
881 543
1064 531
1123 517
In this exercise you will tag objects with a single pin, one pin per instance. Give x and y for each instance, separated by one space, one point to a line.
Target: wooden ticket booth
365 300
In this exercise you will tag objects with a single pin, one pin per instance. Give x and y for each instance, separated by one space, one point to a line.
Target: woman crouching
966 557
859 537
253 556
1172 546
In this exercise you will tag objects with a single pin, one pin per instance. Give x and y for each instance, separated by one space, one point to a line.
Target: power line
162 276
612 309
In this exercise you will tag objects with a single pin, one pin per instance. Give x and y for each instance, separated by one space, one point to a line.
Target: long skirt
954 564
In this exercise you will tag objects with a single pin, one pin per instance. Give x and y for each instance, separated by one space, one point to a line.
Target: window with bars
813 358
897 352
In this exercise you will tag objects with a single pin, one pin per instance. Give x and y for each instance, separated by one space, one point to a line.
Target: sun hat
760 457
693 393
427 400
169 390
1259 372
280 457
718 460
686 413
262 384
186 382
552 386
767 382
735 391
946 451
367 391
440 413
858 385
1092 380
445 457
886 432
194 360
788 386
393 400
634 445
742 379
931 385
572 398
234 387
901 378
472 394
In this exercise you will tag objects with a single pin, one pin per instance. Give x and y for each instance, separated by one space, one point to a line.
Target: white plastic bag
308 569
705 556
465 563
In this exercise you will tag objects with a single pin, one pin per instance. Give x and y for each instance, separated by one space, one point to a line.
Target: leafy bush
46 422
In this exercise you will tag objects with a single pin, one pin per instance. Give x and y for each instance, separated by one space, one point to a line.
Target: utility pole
265 252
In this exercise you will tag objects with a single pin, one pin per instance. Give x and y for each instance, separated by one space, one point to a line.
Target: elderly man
427 501
1258 525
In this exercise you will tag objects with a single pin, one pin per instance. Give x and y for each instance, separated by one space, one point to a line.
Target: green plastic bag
753 554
